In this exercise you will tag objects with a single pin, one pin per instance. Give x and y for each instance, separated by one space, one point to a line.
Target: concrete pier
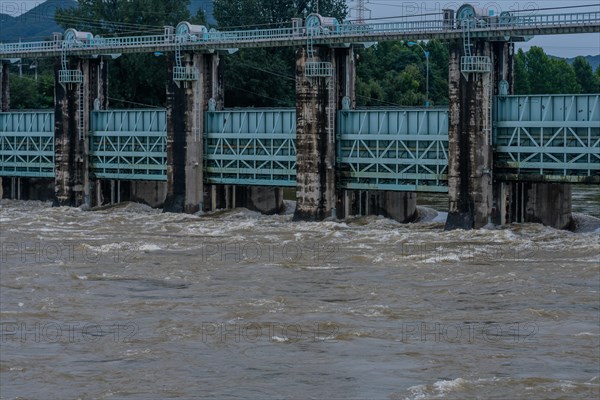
266 200
4 99
72 125
549 204
469 147
399 206
152 193
186 103
316 197
4 86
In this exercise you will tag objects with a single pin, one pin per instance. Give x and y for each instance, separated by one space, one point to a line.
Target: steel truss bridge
552 138
501 28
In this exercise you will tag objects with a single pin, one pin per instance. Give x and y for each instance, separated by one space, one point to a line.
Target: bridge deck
515 28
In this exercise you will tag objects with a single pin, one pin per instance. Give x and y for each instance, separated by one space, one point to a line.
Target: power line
556 8
265 70
256 94
133 102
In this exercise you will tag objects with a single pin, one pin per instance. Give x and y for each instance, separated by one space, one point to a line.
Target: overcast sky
563 46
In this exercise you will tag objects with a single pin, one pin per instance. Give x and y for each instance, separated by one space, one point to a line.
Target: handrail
230 38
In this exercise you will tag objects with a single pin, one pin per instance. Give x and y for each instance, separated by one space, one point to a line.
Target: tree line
388 74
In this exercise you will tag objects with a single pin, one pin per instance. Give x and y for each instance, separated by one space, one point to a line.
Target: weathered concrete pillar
469 149
317 102
315 151
266 200
73 105
152 193
400 206
549 204
186 103
4 86
545 203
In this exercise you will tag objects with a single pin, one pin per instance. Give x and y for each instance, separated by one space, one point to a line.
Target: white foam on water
449 386
149 247
441 217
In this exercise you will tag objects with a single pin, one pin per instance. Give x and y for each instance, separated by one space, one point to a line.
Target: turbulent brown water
131 303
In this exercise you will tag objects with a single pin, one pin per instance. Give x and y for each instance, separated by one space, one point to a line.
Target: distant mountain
36 24
593 60
5 20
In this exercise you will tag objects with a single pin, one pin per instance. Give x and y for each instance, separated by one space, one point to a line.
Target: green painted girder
251 147
129 144
396 150
544 138
27 144
547 138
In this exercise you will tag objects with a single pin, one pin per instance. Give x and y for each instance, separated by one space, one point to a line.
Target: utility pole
361 12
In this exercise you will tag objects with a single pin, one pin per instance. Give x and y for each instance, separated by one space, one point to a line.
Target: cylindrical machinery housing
506 18
185 29
75 35
469 12
327 24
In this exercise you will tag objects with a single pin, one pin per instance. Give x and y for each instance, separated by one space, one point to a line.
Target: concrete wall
266 200
4 86
316 197
315 173
549 204
72 180
151 193
186 103
469 148
400 206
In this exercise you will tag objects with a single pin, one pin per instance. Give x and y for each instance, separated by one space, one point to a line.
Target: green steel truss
549 138
27 144
543 138
129 145
251 147
399 150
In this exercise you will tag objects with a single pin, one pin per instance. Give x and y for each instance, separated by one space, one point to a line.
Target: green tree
538 69
562 78
134 79
537 73
28 93
521 74
585 75
401 73
265 77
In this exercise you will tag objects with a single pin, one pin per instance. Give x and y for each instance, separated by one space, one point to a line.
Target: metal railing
352 32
